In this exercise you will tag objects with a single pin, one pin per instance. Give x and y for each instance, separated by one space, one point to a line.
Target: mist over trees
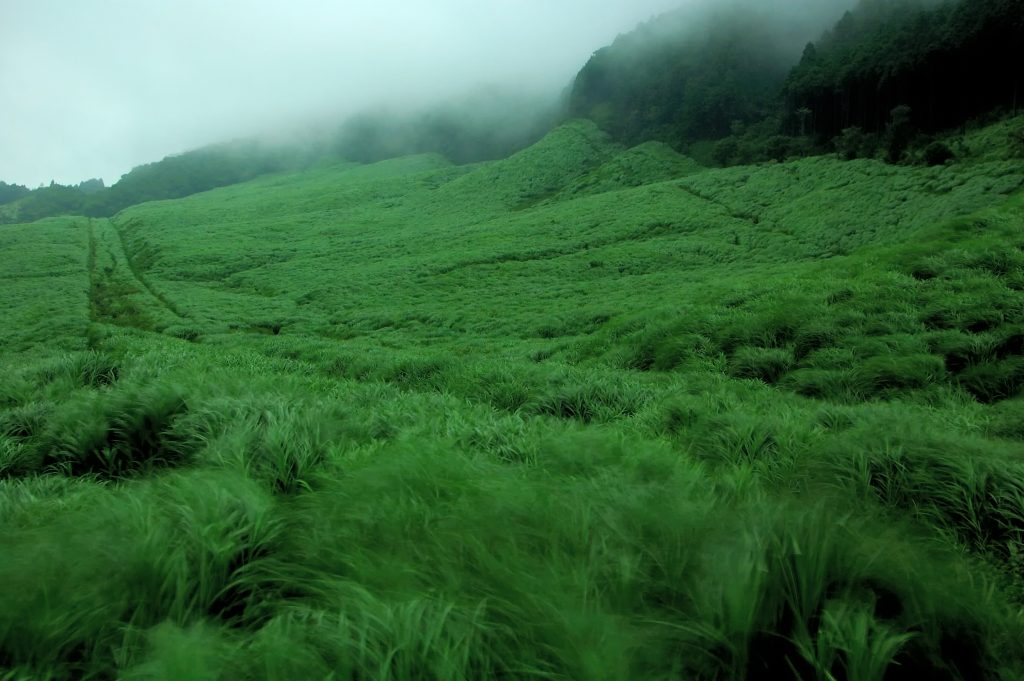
694 74
91 186
884 72
489 123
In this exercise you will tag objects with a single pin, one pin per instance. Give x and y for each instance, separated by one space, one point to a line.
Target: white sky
91 88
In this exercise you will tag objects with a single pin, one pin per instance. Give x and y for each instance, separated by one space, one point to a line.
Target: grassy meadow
584 413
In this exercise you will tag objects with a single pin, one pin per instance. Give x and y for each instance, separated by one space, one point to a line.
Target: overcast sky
90 88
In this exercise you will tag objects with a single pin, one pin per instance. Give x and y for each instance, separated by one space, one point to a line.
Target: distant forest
734 83
173 177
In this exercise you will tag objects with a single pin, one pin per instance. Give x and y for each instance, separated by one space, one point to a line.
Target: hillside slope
584 413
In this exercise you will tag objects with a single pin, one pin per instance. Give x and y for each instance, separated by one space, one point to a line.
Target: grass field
583 413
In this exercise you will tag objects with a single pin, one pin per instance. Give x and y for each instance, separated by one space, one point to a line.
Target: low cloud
93 87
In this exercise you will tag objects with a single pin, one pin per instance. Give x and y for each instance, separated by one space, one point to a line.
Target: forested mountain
892 67
949 62
691 74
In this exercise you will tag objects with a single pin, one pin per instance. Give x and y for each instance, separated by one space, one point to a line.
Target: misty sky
90 88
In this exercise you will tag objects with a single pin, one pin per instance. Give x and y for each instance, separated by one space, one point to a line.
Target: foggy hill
728 83
690 74
486 124
770 83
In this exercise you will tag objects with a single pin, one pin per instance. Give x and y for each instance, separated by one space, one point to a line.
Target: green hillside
587 412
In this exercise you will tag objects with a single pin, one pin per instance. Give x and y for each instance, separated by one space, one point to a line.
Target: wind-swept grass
584 413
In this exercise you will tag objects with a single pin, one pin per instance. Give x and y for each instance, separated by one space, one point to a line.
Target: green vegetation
583 413
46 285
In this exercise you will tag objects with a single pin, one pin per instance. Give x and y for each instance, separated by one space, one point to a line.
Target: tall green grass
584 413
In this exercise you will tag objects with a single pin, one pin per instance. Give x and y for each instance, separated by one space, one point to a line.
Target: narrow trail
91 267
117 294
132 261
752 218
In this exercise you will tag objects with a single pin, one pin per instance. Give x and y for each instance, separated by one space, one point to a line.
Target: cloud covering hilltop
95 87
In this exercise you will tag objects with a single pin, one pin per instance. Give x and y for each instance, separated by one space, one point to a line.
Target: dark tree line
171 178
948 62
12 192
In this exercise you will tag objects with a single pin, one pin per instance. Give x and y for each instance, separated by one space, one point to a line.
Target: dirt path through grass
117 295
